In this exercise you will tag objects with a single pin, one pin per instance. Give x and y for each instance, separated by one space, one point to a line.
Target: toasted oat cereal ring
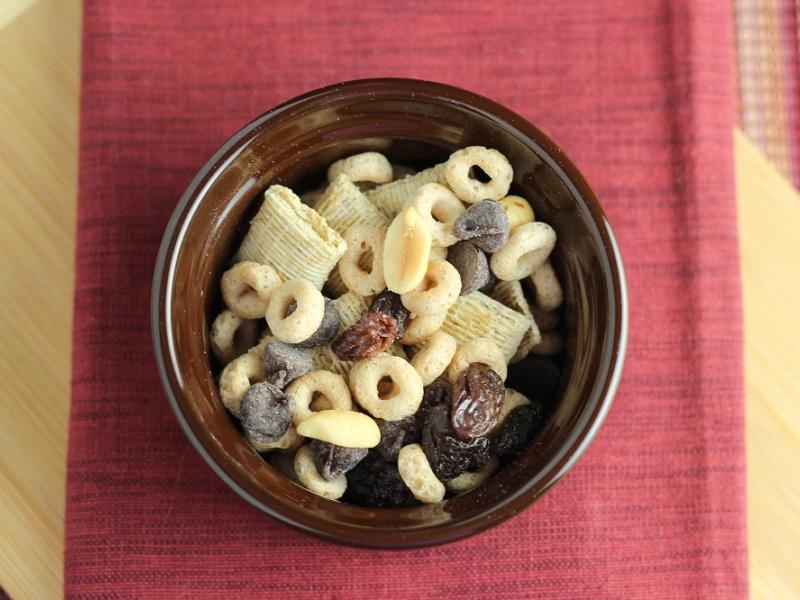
518 210
386 386
289 441
365 167
437 291
439 208
434 357
304 320
246 288
237 377
513 399
364 245
420 328
309 389
472 479
478 350
310 478
549 295
416 473
524 252
551 343
459 167
231 336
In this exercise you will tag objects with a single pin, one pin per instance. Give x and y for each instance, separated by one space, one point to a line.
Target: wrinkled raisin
520 426
395 435
485 224
376 483
327 330
478 395
434 394
448 456
389 303
373 333
284 362
332 460
471 264
266 412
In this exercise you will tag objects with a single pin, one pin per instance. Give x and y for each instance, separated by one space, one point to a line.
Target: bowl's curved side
318 516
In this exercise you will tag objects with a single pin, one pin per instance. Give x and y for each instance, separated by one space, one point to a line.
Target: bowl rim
566 456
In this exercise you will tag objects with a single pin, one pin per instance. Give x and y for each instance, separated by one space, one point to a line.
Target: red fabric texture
638 93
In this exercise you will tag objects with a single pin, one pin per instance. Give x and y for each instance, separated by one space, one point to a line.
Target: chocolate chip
471 264
284 362
485 224
266 412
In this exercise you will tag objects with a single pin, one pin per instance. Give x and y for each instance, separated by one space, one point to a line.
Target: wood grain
39 85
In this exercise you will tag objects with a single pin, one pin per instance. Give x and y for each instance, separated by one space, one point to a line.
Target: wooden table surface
39 85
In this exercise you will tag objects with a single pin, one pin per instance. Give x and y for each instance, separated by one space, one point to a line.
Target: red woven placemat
639 94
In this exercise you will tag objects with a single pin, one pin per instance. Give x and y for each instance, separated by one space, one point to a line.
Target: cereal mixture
368 329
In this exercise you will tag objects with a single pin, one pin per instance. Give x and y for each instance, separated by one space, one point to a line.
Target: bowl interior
419 124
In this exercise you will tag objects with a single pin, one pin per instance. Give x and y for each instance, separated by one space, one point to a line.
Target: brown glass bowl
412 122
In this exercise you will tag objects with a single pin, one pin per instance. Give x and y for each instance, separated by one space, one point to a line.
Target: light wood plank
39 59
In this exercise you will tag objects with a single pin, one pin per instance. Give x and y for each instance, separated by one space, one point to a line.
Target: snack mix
368 329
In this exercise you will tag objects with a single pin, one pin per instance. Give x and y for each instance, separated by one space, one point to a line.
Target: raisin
520 426
485 224
327 330
448 456
266 412
395 435
376 483
389 303
373 333
471 264
477 400
536 377
332 460
284 363
434 394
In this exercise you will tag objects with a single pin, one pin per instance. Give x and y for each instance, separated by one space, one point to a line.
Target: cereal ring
367 379
437 291
472 479
246 288
478 350
416 473
434 356
289 442
231 336
459 166
363 241
513 399
518 210
439 208
552 343
367 166
524 252
549 295
300 324
306 389
421 328
237 377
310 478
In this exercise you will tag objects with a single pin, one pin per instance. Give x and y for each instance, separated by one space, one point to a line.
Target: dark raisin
535 377
373 333
449 456
434 394
376 483
520 426
395 435
485 224
327 330
389 303
471 264
284 362
266 412
332 460
478 396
